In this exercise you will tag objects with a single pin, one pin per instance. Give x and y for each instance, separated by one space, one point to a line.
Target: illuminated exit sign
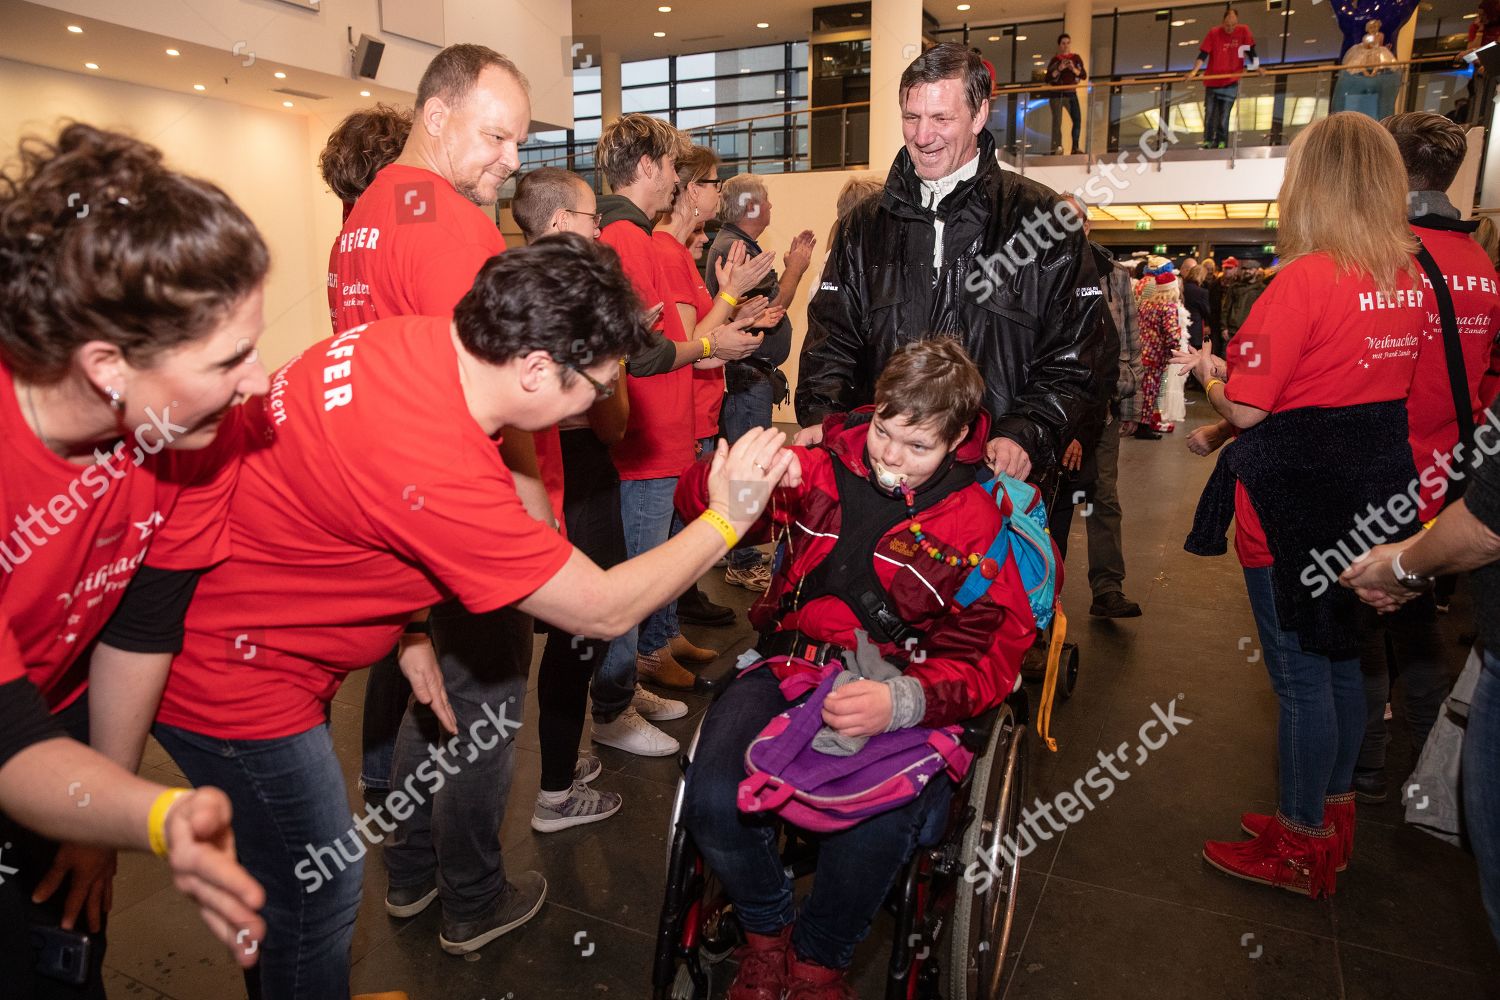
1143 225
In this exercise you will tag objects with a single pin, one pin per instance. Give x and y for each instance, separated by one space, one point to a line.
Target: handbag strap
1458 380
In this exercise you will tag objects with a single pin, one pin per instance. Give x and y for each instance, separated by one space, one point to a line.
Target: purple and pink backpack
822 793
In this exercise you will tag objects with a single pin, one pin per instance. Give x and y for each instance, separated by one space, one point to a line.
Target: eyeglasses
711 181
601 391
598 217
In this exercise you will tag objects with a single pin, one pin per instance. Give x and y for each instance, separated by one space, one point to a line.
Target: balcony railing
1121 114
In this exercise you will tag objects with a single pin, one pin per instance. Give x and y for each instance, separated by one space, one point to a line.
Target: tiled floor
1119 906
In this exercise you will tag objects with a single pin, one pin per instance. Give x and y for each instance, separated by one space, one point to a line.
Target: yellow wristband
156 820
1211 383
708 348
733 302
721 524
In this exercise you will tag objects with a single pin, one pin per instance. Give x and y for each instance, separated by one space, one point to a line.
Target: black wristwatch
1411 581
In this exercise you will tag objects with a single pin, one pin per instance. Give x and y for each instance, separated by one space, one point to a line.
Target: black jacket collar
1444 224
903 188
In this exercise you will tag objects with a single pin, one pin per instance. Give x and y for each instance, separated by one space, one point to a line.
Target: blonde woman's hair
1488 237
1344 195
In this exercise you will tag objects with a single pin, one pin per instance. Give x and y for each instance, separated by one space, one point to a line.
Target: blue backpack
1024 537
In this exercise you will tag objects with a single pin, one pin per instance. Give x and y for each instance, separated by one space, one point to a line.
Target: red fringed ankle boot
762 971
1286 855
1337 809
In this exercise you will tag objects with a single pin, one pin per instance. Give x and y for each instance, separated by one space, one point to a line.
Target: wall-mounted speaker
367 55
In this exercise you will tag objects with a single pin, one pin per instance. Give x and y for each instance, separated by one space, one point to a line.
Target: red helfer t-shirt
72 536
1226 54
411 246
658 442
369 492
685 285
1318 337
1476 304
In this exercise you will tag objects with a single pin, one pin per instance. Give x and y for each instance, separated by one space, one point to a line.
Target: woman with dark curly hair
363 144
130 304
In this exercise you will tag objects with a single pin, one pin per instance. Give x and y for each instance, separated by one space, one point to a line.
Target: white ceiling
627 26
39 35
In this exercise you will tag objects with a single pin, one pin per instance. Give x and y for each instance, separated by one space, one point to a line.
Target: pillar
1078 22
609 96
895 40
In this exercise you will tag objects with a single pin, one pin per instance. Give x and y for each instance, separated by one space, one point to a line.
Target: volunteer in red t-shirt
1432 149
375 490
1226 50
697 199
127 332
411 245
1317 381
638 155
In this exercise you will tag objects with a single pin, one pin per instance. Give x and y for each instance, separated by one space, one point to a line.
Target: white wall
265 161
533 34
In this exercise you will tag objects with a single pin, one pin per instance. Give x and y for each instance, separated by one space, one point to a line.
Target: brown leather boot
1337 809
685 652
662 669
762 971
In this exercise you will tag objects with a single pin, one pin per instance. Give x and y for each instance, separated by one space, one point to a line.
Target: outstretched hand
741 477
200 851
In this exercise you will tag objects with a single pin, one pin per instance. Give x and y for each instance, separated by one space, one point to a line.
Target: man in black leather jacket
957 246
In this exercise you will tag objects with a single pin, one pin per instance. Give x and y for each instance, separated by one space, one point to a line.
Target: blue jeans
744 411
1481 784
856 867
646 510
452 835
1322 711
1217 101
294 833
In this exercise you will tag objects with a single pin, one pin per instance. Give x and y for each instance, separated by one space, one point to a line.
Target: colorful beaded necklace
952 558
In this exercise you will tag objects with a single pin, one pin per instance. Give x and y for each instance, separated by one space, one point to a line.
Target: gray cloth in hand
864 662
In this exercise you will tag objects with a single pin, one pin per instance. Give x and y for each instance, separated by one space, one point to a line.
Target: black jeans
453 834
31 856
1425 664
591 511
856 867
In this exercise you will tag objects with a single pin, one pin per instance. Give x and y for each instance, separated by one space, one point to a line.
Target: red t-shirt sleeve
679 279
195 532
1265 351
458 515
442 279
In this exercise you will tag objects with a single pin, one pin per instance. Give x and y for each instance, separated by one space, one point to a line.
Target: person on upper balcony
1065 70
1226 51
955 244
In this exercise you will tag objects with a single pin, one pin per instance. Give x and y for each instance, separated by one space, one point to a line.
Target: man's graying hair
739 191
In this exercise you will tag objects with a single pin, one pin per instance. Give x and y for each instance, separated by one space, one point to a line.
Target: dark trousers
1422 661
453 834
1096 487
1059 102
591 510
386 693
1217 103
856 867
31 856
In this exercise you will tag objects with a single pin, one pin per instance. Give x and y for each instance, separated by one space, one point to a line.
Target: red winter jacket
970 657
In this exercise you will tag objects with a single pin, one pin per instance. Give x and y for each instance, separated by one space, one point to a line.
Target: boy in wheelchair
883 529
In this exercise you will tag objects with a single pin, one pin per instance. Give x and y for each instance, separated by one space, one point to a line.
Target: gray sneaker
583 805
519 902
587 768
409 902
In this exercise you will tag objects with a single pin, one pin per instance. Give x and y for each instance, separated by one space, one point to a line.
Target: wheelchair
951 939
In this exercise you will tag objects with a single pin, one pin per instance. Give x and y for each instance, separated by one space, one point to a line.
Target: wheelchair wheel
1069 670
980 936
